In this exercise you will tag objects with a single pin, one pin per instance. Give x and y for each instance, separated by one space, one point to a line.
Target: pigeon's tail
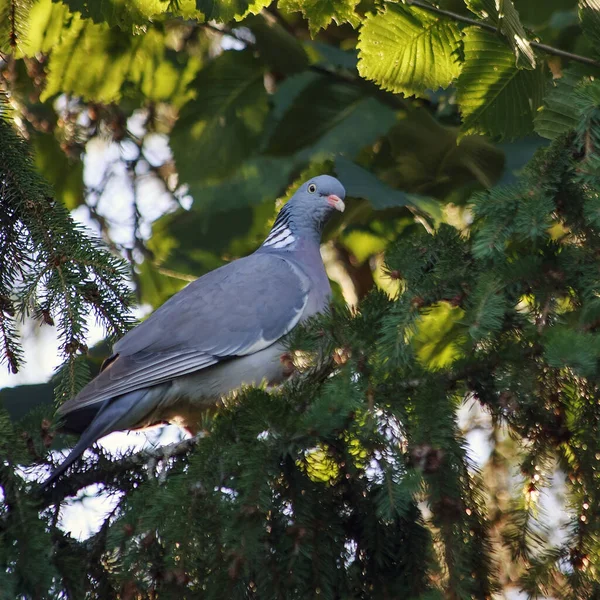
115 414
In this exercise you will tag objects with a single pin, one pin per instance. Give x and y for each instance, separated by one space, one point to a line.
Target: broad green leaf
495 97
259 180
196 241
103 64
227 220
360 183
320 13
589 15
408 50
46 23
277 47
440 336
130 13
328 116
560 113
425 157
66 176
503 14
222 126
329 55
227 10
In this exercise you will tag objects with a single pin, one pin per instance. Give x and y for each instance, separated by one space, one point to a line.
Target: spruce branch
50 268
108 472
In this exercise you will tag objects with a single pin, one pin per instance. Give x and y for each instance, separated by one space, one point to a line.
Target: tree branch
543 47
106 471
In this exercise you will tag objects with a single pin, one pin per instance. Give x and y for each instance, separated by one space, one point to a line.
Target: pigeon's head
320 196
305 214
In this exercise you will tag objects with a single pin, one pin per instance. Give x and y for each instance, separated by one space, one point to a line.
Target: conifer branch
108 472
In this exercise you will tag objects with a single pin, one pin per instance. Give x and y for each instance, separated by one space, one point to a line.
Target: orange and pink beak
336 202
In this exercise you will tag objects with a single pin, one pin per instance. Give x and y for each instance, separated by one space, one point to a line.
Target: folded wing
241 308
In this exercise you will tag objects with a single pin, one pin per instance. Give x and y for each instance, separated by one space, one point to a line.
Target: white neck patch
280 237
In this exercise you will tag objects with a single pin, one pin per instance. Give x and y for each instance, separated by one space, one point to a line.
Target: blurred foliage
177 129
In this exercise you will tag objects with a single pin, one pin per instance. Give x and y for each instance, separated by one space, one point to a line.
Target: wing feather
236 310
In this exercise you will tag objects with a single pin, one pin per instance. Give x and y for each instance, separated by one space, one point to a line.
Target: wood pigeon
221 331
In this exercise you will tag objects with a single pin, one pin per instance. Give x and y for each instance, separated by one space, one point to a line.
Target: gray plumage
221 331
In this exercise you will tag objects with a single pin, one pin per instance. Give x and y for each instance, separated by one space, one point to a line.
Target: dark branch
107 471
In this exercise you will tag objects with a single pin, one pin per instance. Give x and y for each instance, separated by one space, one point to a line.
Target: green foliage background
467 135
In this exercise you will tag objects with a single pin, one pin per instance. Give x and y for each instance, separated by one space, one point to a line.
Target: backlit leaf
504 15
495 97
103 64
408 50
128 13
320 13
227 10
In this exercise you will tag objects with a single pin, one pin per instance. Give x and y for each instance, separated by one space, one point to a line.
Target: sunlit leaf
503 14
103 64
222 126
320 13
408 50
47 21
495 97
226 10
128 13
440 336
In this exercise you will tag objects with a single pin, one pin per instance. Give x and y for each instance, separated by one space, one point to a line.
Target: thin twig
543 47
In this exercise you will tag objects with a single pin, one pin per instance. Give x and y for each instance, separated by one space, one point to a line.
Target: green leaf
440 336
320 13
495 97
331 56
227 10
360 183
66 176
226 220
277 47
327 116
45 26
425 157
560 113
222 126
130 13
103 64
408 50
589 15
504 15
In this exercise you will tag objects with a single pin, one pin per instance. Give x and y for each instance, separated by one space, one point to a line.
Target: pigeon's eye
312 188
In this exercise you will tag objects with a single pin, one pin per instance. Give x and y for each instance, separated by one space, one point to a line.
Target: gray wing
235 310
